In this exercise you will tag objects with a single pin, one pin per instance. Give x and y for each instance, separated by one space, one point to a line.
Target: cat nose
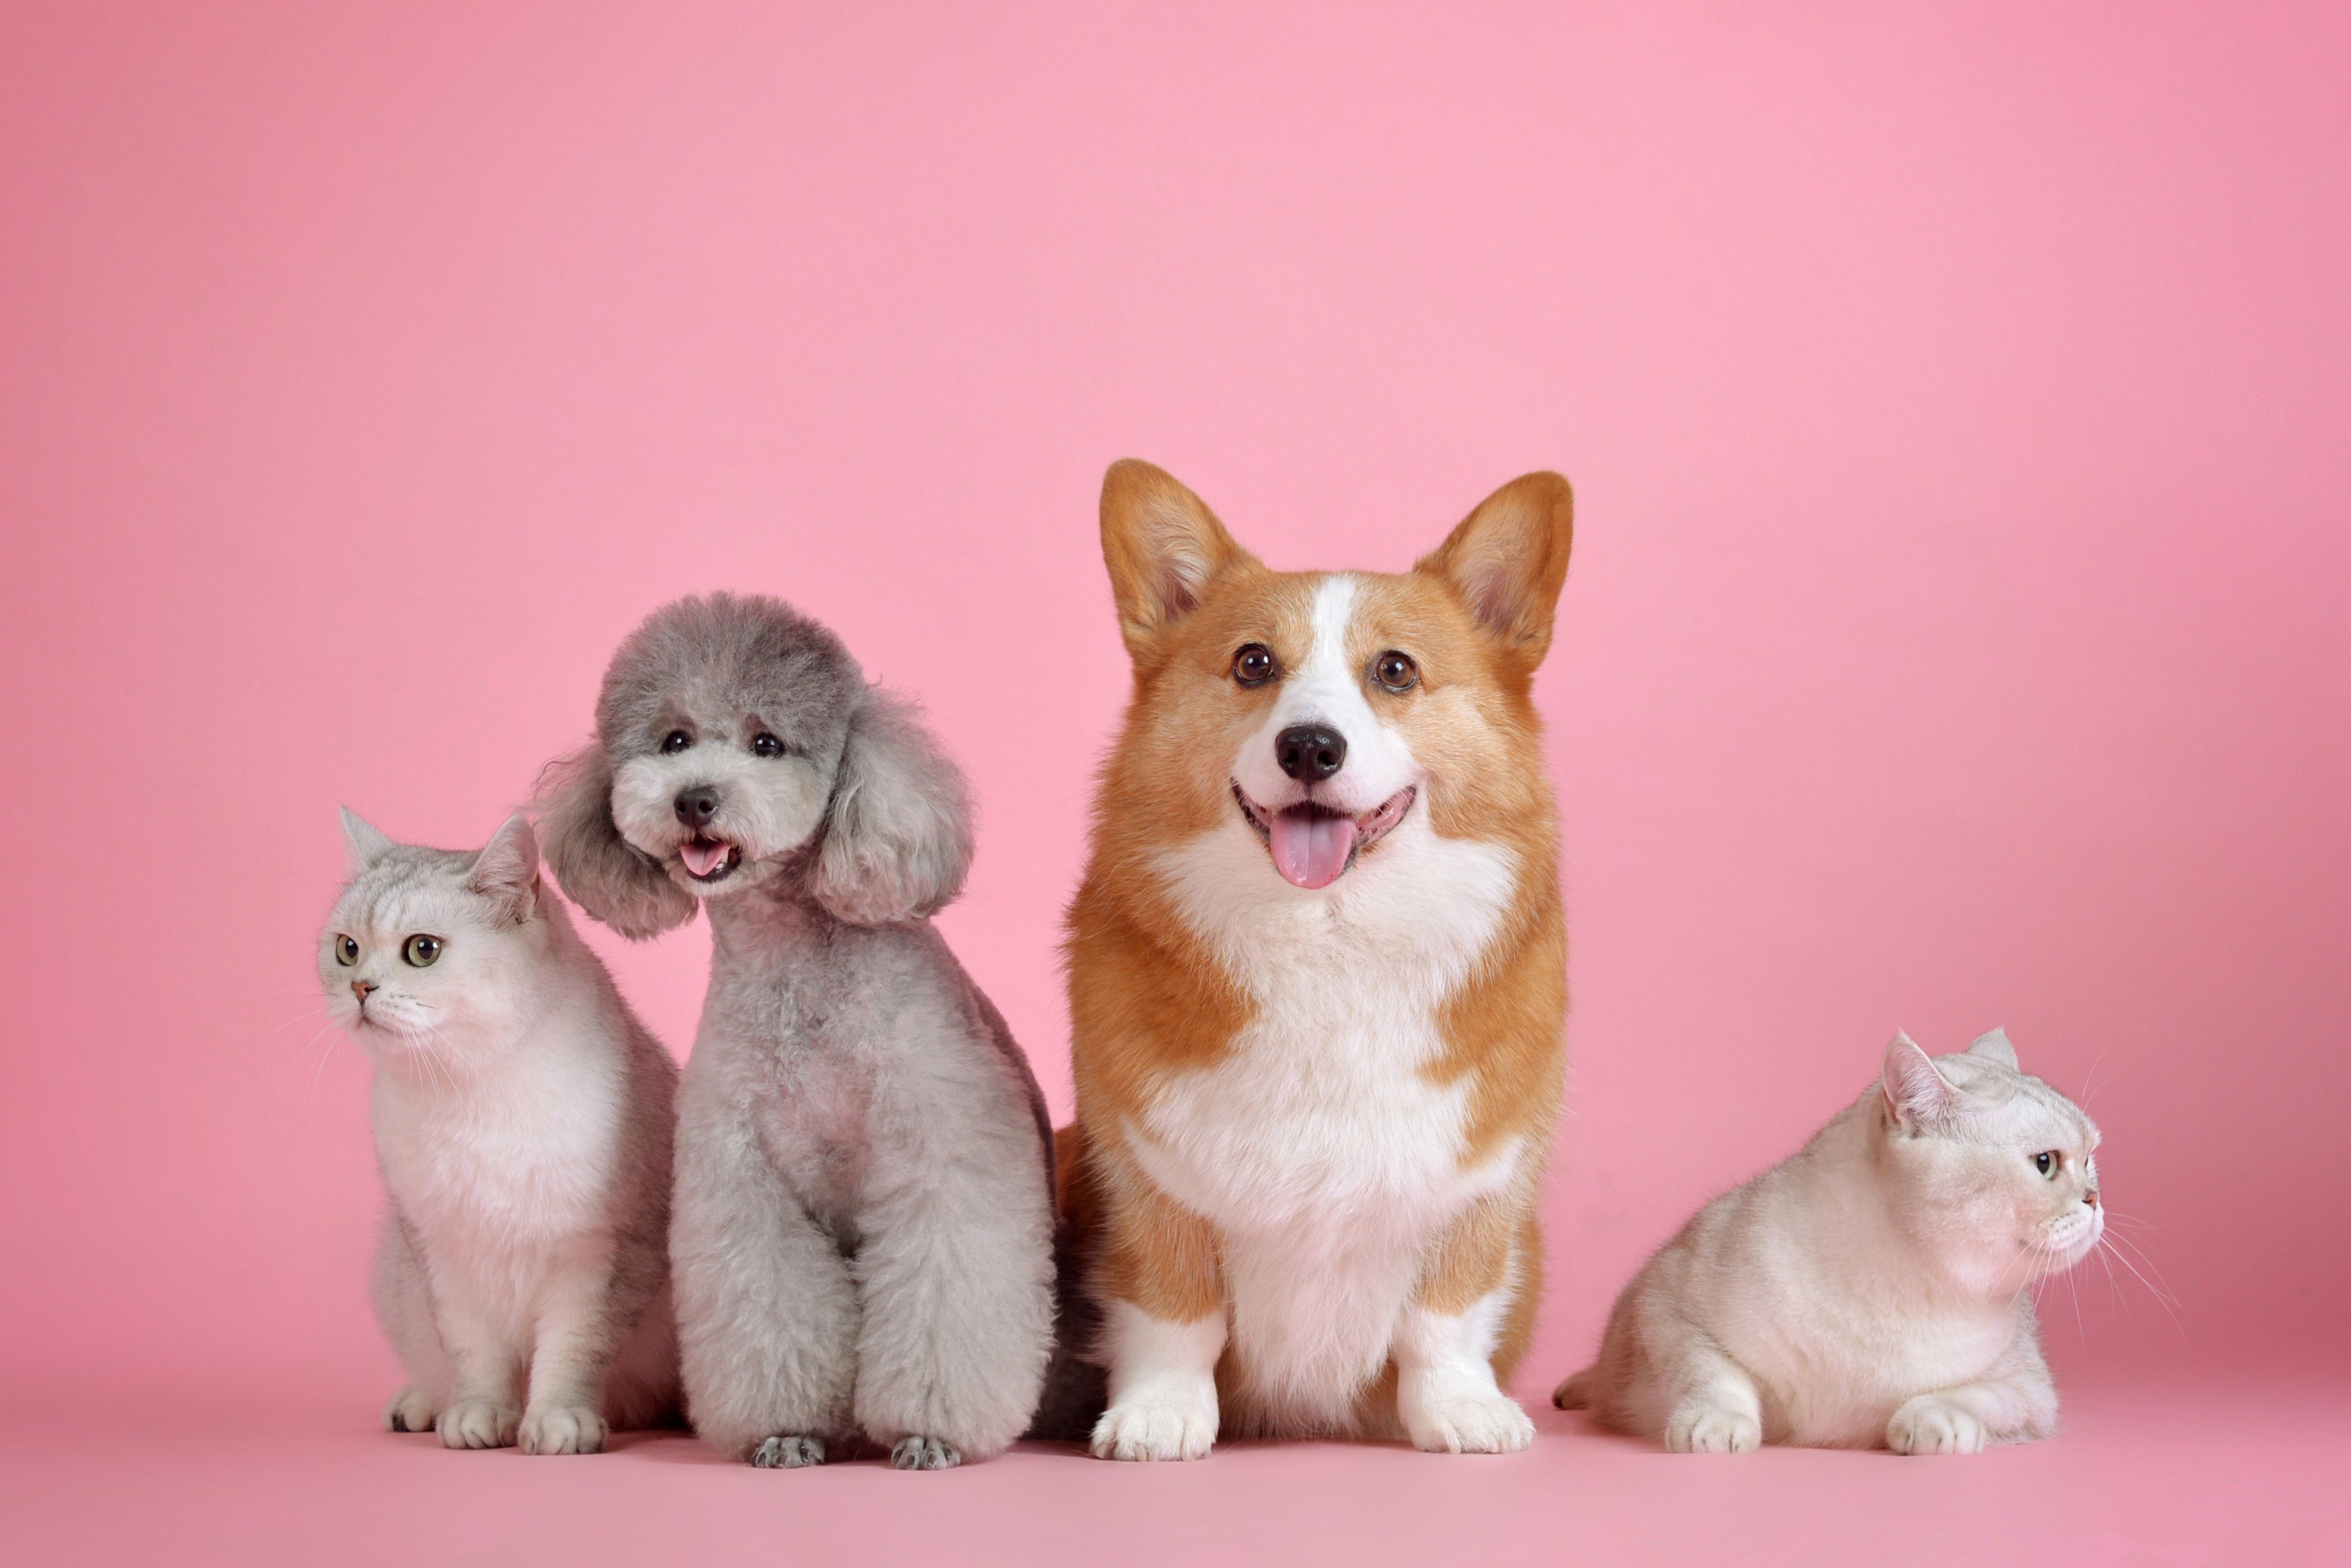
2090 1198
697 806
360 988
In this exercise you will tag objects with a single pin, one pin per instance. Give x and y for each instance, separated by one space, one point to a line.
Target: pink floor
2209 1473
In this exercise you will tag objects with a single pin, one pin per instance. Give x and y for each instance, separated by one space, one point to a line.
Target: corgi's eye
420 951
1396 671
346 952
2048 1162
765 745
675 740
1253 665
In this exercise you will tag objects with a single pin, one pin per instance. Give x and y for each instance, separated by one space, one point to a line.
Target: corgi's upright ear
1163 546
1508 559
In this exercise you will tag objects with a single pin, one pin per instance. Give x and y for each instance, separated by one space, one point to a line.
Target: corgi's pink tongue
701 856
1309 850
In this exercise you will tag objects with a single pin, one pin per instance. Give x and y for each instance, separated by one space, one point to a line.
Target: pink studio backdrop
1956 634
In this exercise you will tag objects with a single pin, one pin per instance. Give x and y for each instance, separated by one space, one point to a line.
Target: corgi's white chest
1320 1145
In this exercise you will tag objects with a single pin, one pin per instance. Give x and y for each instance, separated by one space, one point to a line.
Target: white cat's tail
1575 1393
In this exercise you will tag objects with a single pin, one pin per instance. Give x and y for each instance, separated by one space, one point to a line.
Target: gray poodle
863 1239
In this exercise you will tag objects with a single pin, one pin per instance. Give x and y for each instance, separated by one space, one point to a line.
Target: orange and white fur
1318 985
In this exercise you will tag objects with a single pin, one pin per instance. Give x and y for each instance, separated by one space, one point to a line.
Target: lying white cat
1875 1288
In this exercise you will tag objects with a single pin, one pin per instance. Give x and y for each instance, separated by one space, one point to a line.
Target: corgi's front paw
411 1410
478 1424
1469 1423
1932 1425
563 1430
1156 1429
1699 1426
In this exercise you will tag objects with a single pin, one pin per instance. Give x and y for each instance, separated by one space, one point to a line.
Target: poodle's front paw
478 1424
1699 1426
1156 1429
1933 1425
1469 1423
411 1410
912 1453
563 1430
783 1452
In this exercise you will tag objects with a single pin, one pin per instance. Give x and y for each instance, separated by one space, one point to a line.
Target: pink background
1956 636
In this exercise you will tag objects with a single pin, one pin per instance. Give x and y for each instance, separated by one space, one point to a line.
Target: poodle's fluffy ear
602 872
898 839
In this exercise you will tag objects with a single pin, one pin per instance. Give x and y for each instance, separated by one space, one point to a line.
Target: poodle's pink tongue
1310 851
702 855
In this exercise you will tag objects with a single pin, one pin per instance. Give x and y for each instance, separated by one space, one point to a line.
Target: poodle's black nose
697 806
1310 753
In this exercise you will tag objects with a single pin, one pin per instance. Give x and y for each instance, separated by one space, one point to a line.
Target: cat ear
604 874
1914 1090
897 840
1163 547
506 871
1994 1045
1506 560
366 845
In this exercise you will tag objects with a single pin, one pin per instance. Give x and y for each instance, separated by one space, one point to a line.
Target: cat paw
788 1453
563 1430
1927 1425
478 1424
411 1410
912 1453
1471 1424
1155 1430
1701 1427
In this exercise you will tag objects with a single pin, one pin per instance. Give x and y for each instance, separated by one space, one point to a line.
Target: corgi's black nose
697 806
1310 753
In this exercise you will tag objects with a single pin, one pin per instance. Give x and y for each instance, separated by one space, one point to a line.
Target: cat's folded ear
1915 1092
898 838
603 873
366 844
505 871
1994 1045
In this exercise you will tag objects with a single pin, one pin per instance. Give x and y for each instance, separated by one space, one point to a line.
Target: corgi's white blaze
1328 689
1317 1147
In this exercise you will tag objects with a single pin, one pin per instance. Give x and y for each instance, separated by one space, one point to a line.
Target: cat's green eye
346 952
2047 1161
420 951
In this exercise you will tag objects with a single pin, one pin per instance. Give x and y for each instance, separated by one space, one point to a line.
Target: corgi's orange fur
1317 984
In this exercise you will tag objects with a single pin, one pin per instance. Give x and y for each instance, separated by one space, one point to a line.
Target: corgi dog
1318 985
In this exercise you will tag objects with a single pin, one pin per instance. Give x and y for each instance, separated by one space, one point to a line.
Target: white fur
1163 1385
1327 1158
1873 1288
1446 1394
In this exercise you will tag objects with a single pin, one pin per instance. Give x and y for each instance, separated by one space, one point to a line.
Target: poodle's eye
1253 665
1396 671
420 950
675 740
346 952
765 745
2048 1162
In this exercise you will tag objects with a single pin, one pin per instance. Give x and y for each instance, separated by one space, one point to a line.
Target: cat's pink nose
2090 1198
360 988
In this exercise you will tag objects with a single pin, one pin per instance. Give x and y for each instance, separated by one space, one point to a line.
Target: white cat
523 1121
1873 1289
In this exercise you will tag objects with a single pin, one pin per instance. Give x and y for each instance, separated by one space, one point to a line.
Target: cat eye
420 951
1253 665
346 952
1396 671
765 745
2047 1162
674 741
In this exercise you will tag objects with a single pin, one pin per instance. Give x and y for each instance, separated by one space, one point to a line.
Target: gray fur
861 1236
523 1121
